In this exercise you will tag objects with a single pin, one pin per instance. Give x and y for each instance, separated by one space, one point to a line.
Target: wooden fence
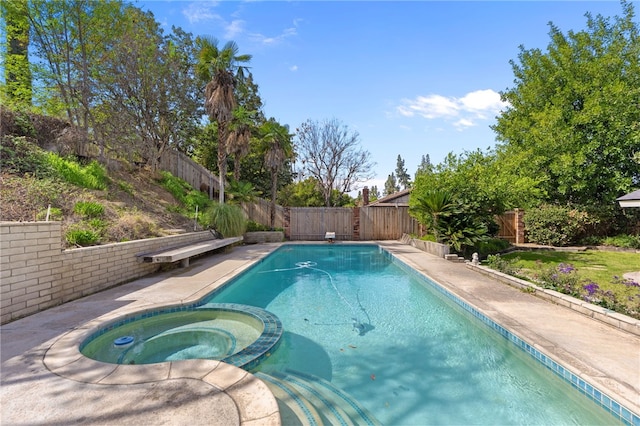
260 211
386 223
180 165
311 223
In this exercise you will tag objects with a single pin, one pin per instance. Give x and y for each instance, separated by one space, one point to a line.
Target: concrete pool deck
45 381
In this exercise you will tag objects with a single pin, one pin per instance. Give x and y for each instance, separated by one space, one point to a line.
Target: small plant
55 214
126 187
623 241
491 246
91 176
506 266
88 209
81 237
256 227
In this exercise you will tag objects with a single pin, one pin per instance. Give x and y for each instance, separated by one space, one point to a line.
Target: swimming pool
358 318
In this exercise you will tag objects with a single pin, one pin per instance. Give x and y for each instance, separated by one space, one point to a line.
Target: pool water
171 336
353 316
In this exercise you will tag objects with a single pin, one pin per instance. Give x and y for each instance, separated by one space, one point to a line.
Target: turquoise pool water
354 316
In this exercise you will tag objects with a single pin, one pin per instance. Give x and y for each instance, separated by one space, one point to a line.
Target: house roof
631 199
399 198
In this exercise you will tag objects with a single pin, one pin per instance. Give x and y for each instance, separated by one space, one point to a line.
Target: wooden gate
311 223
511 226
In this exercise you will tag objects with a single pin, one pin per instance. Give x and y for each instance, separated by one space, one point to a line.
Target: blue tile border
622 413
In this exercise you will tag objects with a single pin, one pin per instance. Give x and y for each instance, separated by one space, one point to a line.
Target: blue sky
412 78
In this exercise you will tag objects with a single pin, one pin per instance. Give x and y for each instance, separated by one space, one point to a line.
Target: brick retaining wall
36 273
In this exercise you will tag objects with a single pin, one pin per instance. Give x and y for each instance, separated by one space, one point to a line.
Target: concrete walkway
45 381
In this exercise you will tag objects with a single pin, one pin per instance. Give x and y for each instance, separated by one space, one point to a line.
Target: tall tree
18 89
331 154
221 68
278 149
402 176
239 138
390 185
573 114
425 164
150 98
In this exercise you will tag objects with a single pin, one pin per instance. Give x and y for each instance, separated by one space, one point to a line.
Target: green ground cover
593 275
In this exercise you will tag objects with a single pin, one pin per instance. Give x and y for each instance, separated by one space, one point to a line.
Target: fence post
355 222
287 224
519 225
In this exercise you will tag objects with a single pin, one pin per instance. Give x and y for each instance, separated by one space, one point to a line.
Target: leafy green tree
305 193
374 193
402 176
18 89
573 115
221 68
150 99
425 164
390 185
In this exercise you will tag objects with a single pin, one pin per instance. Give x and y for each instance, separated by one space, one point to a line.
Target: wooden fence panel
260 211
196 175
311 223
386 223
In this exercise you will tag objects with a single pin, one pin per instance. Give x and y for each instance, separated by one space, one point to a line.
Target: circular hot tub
236 334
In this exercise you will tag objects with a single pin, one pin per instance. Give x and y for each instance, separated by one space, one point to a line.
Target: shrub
88 209
21 156
81 237
623 241
91 176
54 214
227 219
491 246
555 225
184 193
506 266
256 227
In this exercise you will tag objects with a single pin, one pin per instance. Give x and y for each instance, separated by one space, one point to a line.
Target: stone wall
36 273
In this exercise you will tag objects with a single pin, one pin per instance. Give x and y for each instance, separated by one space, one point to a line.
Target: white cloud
482 100
233 29
463 123
197 12
432 106
286 33
293 68
474 106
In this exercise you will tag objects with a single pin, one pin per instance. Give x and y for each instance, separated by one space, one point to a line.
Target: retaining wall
36 273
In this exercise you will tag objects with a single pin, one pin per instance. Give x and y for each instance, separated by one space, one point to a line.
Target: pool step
314 401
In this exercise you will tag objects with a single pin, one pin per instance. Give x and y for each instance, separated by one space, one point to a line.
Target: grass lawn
591 275
598 266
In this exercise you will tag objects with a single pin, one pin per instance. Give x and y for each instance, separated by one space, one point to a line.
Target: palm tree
278 149
221 69
431 207
239 137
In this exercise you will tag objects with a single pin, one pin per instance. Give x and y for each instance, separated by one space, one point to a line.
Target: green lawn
592 275
598 266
